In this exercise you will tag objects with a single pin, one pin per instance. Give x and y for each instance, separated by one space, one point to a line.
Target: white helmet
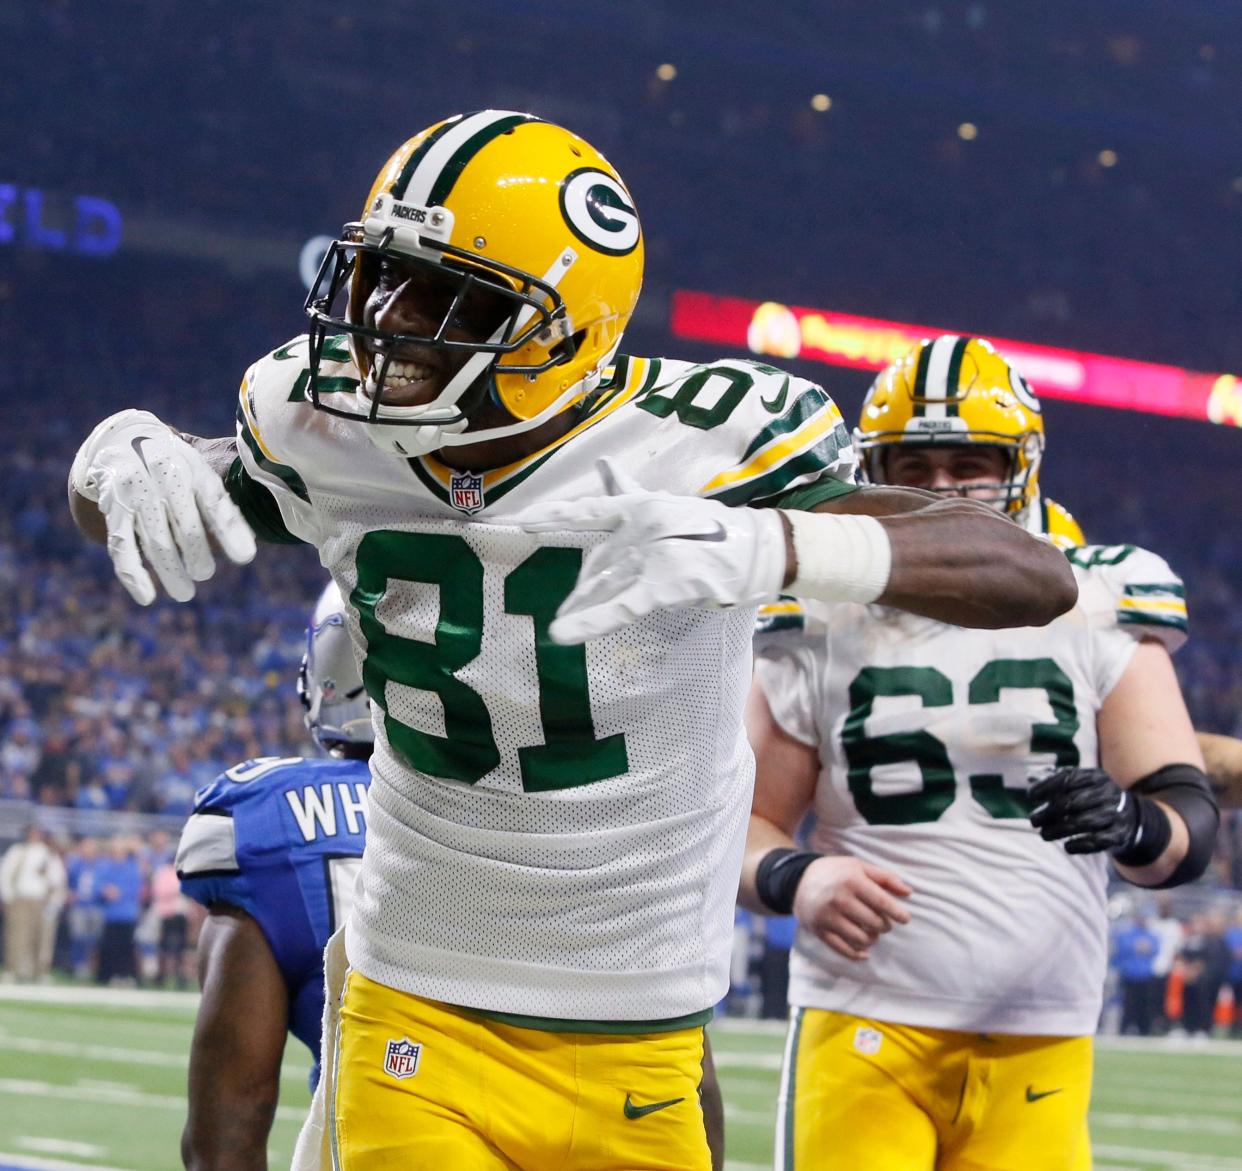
338 713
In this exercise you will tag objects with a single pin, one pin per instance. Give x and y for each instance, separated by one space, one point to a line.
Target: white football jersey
554 831
928 735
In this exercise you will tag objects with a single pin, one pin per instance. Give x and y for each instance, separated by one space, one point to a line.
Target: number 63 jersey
927 736
555 831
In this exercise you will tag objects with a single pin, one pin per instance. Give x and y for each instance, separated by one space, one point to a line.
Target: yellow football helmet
525 209
1060 527
950 391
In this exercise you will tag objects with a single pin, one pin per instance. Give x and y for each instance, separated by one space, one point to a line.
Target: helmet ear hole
565 350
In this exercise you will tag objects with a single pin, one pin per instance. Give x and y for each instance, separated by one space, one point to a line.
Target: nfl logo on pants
401 1059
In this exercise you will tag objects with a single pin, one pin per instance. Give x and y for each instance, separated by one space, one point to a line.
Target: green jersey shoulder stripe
287 475
804 407
258 506
1142 590
807 496
1147 618
792 473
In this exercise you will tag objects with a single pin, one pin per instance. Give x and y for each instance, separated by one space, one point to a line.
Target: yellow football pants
425 1085
863 1095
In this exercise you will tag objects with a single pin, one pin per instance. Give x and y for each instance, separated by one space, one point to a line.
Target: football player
962 1040
561 777
272 850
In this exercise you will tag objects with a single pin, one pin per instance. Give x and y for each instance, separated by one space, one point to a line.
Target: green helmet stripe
920 380
451 171
411 164
955 372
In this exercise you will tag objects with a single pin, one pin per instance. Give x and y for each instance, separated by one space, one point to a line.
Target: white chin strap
426 427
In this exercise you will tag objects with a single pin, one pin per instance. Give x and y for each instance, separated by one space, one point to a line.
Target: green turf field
95 1081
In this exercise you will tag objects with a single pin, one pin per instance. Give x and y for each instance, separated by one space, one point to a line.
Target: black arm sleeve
1185 788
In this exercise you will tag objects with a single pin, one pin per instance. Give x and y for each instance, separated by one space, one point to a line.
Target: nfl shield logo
401 1059
867 1040
466 491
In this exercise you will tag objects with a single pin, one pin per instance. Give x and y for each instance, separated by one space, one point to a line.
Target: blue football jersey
281 838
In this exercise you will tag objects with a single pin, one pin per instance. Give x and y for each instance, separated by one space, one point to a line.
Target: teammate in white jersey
961 1040
561 778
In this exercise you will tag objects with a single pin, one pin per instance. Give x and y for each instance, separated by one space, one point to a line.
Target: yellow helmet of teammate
1059 525
950 391
528 211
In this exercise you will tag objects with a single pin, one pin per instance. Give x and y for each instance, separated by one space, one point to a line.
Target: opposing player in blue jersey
271 850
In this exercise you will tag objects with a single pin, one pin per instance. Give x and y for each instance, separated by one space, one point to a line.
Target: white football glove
665 552
155 492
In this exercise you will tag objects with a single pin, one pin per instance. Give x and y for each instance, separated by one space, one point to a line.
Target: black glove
1086 806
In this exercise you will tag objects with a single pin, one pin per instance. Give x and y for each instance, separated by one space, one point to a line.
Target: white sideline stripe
748 1027
1200 1048
40 1164
744 1117
112 997
112 1094
1138 1080
733 1059
73 1049
58 1146
744 1026
1192 1122
1175 1160
1189 1102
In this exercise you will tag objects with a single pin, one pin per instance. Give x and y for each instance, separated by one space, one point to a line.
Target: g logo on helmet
599 211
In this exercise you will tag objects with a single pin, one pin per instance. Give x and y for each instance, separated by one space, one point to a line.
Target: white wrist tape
840 558
110 430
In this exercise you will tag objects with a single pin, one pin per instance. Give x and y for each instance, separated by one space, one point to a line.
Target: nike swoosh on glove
1085 808
664 552
159 499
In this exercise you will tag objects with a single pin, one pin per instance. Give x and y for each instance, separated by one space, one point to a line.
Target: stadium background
1061 174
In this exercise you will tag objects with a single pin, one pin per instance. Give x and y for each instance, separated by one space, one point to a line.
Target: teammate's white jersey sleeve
1134 590
928 737
553 831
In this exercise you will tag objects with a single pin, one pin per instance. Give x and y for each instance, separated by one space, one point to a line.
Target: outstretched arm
157 498
956 561
239 1038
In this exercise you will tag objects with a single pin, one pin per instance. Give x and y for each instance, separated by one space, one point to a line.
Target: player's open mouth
406 380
